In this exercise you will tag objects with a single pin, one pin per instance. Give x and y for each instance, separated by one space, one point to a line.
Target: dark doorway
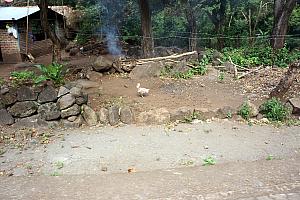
1 59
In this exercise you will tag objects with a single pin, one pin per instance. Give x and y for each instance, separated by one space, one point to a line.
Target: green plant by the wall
192 117
52 72
23 77
245 111
275 110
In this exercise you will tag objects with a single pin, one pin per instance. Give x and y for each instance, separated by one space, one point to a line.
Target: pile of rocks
42 106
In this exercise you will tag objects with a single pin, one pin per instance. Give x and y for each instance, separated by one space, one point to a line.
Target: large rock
147 70
294 104
76 92
23 109
49 111
66 101
180 113
103 64
48 94
113 115
157 116
82 99
103 116
25 93
62 91
9 97
126 115
72 111
6 118
34 121
89 115
75 124
4 89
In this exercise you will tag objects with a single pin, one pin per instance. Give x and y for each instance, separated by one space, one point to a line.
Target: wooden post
27 28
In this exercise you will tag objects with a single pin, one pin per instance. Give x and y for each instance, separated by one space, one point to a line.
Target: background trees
192 24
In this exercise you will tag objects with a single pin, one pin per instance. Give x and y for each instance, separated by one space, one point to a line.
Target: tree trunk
43 5
218 16
192 24
282 12
286 82
147 41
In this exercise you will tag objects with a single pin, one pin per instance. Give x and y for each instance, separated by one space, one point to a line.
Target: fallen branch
250 72
174 56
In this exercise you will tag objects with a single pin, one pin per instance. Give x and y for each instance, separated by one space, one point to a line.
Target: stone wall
44 106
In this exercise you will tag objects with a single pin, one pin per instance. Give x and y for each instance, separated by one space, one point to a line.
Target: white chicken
142 91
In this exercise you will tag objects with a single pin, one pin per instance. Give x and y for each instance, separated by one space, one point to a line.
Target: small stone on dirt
76 124
180 113
82 99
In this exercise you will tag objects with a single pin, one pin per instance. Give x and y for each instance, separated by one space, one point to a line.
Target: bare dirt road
165 163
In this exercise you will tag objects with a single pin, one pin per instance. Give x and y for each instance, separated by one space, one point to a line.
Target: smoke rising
111 14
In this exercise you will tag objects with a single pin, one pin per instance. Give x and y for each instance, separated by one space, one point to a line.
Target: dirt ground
201 92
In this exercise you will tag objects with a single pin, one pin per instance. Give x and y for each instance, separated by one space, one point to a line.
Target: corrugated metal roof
16 13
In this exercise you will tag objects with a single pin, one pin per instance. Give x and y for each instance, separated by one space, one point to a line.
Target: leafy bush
274 110
248 57
245 111
52 72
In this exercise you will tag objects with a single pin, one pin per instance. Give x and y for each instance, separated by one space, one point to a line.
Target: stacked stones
42 106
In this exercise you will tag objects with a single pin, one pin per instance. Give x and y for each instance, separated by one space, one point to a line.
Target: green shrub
23 77
52 72
274 110
249 57
245 111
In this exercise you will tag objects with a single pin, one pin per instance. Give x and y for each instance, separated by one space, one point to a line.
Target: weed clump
275 110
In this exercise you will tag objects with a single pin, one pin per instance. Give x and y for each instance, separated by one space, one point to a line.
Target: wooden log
250 72
174 56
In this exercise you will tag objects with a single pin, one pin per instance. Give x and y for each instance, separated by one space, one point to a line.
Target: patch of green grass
275 110
59 164
192 117
55 173
245 111
221 76
229 115
209 161
270 157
